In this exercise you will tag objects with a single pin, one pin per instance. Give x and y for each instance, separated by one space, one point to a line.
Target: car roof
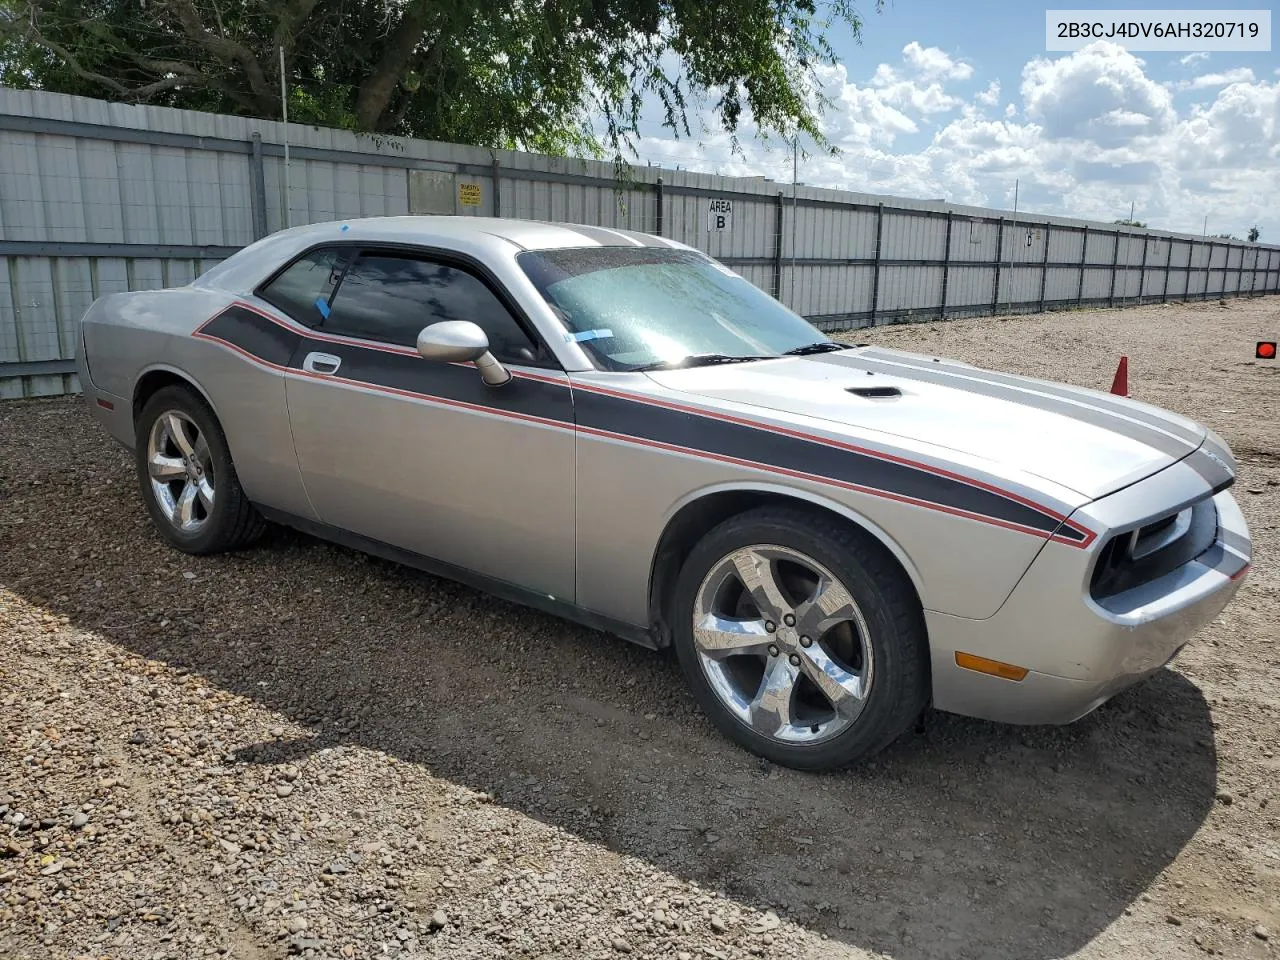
526 234
243 271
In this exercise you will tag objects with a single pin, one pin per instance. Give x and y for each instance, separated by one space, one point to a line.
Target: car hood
1090 442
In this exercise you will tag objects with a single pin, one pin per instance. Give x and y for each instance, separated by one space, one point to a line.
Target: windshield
643 307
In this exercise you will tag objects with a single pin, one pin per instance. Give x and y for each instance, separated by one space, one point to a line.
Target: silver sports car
618 429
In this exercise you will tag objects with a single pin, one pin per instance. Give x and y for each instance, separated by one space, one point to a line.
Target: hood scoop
876 393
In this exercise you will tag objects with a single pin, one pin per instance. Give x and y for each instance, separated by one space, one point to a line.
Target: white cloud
919 86
1088 133
990 96
1226 78
933 63
1193 59
1098 94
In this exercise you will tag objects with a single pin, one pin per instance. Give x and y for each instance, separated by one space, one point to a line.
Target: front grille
1138 556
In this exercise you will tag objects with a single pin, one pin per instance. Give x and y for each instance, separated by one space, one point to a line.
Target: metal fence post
1044 268
946 269
1142 277
258 184
777 250
497 187
875 276
1115 258
1208 264
657 197
1168 262
1084 255
995 284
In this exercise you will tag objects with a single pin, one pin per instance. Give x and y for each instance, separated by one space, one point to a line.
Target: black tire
232 522
900 684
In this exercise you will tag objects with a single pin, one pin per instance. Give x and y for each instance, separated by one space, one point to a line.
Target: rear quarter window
303 289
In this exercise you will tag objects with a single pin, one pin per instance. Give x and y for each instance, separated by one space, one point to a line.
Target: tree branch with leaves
555 76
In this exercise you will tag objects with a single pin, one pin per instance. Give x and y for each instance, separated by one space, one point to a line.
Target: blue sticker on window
323 306
586 335
345 228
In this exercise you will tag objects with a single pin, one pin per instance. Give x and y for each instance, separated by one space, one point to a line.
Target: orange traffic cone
1120 384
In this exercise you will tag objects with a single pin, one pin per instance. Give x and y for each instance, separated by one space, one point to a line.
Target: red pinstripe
1089 535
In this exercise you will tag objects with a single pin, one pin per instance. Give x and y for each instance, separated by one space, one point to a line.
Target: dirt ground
300 750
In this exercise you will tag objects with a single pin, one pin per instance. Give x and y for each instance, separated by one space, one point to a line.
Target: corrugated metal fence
97 197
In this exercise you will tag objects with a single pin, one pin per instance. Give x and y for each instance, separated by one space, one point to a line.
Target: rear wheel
186 476
804 641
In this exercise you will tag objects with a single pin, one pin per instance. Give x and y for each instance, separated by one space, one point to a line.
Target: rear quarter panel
129 336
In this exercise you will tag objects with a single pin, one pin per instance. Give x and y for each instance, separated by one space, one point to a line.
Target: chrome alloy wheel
783 644
181 471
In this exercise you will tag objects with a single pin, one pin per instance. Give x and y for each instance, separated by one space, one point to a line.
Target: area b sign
719 215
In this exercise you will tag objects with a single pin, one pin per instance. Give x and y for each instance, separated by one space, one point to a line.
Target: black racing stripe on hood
253 333
1102 401
1099 417
713 435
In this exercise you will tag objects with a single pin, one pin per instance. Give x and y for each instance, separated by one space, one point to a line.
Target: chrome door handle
321 363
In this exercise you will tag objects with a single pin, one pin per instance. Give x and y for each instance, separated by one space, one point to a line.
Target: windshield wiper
824 346
696 360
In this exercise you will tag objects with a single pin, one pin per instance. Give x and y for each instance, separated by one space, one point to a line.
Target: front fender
765 488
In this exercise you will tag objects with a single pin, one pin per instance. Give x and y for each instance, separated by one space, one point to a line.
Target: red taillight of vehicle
106 404
1266 350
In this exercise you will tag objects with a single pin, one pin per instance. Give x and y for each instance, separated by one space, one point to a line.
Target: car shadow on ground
966 839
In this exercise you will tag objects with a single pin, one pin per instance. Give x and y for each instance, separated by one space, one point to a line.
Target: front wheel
802 639
186 476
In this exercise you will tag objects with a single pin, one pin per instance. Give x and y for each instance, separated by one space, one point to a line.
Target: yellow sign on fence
469 194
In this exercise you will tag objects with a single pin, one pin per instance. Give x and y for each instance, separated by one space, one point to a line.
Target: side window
304 288
392 298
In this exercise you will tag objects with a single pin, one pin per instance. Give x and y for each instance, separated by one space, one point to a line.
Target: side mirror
461 341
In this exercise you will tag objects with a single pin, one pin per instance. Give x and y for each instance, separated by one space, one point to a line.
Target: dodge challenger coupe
616 428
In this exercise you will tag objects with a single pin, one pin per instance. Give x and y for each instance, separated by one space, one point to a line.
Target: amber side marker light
1006 671
1266 350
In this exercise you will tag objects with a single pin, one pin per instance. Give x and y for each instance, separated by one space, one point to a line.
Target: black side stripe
741 442
267 340
409 374
253 333
272 342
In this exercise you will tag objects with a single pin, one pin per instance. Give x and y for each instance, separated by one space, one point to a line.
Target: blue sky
959 101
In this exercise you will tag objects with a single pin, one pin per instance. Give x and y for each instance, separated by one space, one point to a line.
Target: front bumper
1078 652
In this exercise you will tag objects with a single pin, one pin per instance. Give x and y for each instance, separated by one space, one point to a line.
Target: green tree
1254 233
1126 222
548 75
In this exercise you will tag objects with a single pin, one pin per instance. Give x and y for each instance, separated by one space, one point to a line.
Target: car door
423 455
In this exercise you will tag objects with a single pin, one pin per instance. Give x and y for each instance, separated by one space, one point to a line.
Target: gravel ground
300 750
